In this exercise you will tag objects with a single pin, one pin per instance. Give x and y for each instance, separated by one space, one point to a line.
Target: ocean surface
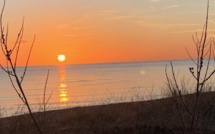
90 84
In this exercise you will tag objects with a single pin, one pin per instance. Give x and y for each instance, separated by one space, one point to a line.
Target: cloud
194 31
183 25
107 12
114 15
88 36
147 24
63 26
120 17
71 26
165 25
187 31
154 0
171 6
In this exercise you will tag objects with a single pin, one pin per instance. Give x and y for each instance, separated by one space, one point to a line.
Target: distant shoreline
117 62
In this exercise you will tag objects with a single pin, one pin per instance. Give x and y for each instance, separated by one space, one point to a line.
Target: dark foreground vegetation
151 117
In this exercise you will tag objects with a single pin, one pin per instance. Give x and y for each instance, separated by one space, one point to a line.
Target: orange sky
92 31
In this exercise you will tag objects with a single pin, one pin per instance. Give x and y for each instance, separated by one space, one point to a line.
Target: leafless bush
201 73
11 66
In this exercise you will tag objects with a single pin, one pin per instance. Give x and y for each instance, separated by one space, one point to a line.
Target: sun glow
61 57
63 91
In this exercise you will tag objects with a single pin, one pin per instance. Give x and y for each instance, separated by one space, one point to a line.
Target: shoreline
143 116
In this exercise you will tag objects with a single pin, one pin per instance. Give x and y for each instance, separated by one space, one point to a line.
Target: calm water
91 84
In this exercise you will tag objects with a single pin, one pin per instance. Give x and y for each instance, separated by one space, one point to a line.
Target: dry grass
135 117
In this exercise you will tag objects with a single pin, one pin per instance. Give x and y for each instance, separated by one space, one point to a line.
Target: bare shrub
201 73
11 68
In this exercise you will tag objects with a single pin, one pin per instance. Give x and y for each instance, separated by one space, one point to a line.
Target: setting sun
61 57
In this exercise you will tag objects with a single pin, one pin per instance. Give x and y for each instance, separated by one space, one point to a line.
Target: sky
98 31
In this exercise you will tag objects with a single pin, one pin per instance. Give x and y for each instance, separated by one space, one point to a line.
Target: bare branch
208 64
202 36
6 34
4 46
12 83
196 41
192 72
44 93
211 74
190 56
168 80
8 72
205 31
19 43
174 78
19 34
175 98
26 66
2 12
49 98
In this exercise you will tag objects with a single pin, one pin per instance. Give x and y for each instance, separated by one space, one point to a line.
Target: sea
81 85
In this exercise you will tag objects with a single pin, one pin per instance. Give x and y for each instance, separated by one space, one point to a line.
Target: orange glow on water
63 85
63 92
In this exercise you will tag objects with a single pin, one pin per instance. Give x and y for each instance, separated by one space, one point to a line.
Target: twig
26 66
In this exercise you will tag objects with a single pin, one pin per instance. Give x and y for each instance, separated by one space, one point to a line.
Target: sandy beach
155 116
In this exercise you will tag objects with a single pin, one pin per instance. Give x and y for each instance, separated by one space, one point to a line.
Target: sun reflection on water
63 92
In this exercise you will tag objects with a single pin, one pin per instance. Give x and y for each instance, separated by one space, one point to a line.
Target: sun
61 57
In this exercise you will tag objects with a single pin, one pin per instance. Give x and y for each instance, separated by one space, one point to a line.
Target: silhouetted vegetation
151 117
11 68
190 114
